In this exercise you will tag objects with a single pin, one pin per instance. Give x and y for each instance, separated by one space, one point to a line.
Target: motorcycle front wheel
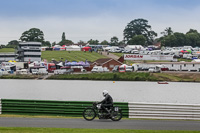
116 115
89 114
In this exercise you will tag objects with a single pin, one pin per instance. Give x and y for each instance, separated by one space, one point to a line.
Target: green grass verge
19 77
132 76
70 130
71 56
128 76
5 50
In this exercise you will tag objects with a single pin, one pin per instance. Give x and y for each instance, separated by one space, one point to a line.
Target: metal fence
164 111
44 107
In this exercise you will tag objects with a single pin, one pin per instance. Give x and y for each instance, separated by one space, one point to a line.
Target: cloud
100 27
102 24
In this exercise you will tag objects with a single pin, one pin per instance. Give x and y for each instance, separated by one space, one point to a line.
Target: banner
148 57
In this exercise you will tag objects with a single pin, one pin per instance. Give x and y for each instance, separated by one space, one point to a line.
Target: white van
97 69
60 71
35 71
3 72
154 69
42 71
22 71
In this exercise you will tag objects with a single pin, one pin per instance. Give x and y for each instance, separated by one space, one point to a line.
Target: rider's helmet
105 92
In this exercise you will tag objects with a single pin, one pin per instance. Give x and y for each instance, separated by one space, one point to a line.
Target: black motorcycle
114 113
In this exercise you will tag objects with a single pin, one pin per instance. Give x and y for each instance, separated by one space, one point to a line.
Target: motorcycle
114 113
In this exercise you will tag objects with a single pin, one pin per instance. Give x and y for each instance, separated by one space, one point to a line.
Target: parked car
134 52
97 69
154 69
129 69
105 69
115 69
22 71
34 71
42 71
83 70
3 72
145 69
60 71
69 71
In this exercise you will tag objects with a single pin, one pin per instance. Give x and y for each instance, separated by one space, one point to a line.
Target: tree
33 34
169 41
114 41
122 42
139 27
63 36
180 39
81 42
54 43
12 44
168 31
46 43
104 42
64 41
193 39
94 42
137 40
192 31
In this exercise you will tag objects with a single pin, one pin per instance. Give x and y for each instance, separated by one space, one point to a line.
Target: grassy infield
81 56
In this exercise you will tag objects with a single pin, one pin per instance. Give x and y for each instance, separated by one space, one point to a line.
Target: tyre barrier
164 111
47 107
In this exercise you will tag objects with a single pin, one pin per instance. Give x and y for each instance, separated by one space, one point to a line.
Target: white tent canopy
73 48
134 47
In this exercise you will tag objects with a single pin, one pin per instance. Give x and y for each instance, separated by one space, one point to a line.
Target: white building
29 51
174 66
7 56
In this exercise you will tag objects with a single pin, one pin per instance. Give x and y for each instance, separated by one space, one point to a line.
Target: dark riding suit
107 102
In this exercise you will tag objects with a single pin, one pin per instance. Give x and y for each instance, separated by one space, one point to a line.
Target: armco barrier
43 107
164 111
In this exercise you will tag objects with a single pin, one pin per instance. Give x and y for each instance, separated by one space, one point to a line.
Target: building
4 57
174 66
107 62
29 51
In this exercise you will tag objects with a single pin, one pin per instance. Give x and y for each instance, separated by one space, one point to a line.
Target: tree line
137 32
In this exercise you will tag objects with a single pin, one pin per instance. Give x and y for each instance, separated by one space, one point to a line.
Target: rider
107 102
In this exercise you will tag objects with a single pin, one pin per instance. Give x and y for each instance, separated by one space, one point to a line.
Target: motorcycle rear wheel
116 115
89 114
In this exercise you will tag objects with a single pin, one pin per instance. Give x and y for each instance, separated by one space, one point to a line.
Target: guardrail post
0 106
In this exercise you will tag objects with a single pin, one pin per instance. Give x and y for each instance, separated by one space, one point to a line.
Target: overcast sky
93 19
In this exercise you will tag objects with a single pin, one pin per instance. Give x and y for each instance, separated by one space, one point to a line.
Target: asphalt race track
100 124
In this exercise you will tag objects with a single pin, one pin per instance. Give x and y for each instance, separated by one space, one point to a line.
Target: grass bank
18 77
132 76
107 76
70 130
5 50
71 56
